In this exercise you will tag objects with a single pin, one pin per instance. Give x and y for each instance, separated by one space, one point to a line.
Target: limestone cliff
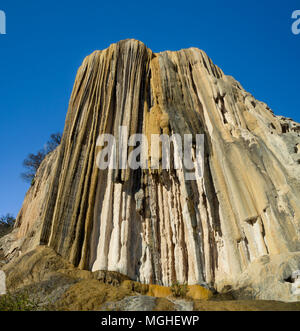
155 227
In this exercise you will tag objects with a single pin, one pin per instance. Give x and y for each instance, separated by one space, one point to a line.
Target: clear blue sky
46 41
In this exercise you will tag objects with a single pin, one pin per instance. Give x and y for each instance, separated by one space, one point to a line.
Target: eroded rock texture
154 226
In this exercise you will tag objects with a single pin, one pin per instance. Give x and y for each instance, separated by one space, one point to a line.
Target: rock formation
154 226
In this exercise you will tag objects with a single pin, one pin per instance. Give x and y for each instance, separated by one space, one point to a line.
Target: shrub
179 290
8 220
6 224
17 302
33 161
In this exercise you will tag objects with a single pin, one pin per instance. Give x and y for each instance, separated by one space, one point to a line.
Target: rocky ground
52 283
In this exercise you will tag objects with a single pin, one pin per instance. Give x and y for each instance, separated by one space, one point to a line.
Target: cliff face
154 226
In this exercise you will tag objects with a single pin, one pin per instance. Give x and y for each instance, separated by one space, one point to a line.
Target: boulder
270 278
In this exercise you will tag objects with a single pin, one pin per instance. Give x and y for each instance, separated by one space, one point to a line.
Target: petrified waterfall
155 226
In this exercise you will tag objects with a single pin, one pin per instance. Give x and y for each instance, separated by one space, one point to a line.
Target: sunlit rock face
154 226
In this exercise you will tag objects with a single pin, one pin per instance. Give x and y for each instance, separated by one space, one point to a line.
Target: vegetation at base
17 302
179 290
